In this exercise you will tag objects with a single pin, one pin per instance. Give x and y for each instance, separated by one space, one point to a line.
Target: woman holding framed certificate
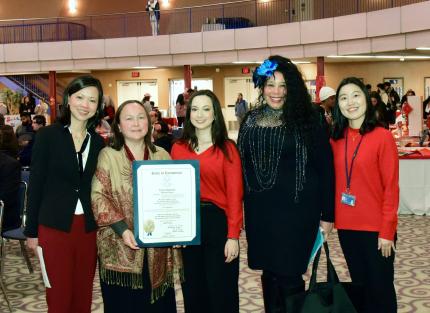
288 174
211 270
367 195
132 279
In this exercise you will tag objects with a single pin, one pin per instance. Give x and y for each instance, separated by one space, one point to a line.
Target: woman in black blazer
59 215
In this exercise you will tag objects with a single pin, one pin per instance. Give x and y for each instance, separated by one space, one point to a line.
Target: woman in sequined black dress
289 182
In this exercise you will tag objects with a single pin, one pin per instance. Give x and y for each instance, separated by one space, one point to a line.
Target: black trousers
127 300
369 268
211 285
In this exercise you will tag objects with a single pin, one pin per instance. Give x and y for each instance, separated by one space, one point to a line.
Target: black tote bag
326 297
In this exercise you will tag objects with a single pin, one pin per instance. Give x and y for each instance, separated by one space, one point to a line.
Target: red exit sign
246 70
135 74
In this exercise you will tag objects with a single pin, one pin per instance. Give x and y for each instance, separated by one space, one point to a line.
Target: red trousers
70 260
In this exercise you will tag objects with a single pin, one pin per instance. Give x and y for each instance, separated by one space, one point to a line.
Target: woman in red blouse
367 195
212 269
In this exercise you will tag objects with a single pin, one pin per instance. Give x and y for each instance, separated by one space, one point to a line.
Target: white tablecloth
414 182
209 27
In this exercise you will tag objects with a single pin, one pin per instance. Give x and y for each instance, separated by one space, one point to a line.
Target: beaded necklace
262 135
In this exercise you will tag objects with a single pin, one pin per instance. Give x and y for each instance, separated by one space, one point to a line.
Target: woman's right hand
32 244
129 240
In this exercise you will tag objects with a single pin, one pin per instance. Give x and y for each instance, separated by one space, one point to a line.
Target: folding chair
18 233
2 257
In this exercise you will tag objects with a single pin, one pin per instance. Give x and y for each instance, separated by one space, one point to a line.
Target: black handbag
326 297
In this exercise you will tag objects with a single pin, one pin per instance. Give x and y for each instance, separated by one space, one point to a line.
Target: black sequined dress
288 190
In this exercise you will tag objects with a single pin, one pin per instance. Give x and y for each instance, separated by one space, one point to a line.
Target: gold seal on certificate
166 203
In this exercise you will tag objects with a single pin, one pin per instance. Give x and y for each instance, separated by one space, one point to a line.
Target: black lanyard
349 173
83 147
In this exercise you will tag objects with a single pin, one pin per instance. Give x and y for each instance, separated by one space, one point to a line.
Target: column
188 74
320 79
53 94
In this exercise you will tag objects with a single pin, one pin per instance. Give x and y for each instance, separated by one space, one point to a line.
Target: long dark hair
379 109
75 85
118 138
180 99
297 111
218 129
340 122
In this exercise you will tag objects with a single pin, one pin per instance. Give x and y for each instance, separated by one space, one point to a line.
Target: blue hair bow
264 70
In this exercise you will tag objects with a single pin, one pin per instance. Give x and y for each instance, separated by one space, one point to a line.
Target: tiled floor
26 291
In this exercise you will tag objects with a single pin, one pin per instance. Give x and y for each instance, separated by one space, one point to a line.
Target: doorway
177 86
135 90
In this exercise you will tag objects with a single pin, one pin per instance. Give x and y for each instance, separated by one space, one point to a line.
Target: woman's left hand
231 250
385 246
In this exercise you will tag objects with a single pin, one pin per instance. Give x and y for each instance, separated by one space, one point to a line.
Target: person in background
39 121
8 141
24 155
25 129
240 108
153 7
389 107
163 138
369 88
327 97
426 108
289 180
366 195
146 102
181 109
3 108
10 176
380 109
108 109
132 279
27 105
410 92
59 215
211 270
393 96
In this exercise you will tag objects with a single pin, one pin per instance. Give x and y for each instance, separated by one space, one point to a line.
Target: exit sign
135 74
246 70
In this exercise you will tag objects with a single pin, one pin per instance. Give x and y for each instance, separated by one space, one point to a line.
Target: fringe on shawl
135 281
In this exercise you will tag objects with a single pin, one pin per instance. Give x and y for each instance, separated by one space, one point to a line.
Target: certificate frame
162 204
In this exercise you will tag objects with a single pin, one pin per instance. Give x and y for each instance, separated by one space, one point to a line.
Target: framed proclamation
166 202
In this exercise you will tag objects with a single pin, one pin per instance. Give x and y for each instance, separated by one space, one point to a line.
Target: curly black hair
297 110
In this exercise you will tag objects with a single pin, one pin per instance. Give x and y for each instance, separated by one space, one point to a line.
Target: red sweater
375 182
220 181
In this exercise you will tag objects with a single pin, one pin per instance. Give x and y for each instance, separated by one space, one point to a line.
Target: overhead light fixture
246 62
144 67
423 48
261 62
73 6
166 3
394 57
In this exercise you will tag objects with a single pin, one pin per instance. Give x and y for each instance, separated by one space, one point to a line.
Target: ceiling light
423 48
397 57
144 67
73 4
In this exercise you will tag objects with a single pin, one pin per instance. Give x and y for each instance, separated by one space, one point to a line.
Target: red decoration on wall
135 74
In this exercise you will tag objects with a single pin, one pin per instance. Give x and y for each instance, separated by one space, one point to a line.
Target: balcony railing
247 13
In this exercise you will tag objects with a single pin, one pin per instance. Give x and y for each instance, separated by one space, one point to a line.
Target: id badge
348 199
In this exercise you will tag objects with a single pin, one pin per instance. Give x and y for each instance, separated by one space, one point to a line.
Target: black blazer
55 184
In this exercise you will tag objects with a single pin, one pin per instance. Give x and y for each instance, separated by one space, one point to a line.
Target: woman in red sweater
367 195
212 269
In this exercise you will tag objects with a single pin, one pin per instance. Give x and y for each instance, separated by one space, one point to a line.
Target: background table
414 182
